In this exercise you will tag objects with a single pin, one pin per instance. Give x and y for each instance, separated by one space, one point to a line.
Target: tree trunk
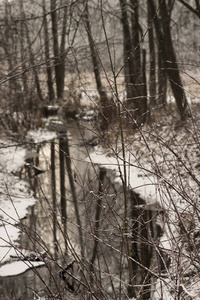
128 62
8 44
73 192
22 50
141 252
162 81
152 53
58 58
32 60
61 70
136 99
169 56
104 101
31 55
53 180
47 56
102 174
144 82
63 202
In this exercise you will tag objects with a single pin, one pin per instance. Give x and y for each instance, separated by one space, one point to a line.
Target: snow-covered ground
15 198
162 165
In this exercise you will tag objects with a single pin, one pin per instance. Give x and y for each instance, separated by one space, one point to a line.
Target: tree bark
53 180
163 32
7 44
22 50
59 55
35 72
47 56
31 54
102 174
162 81
63 201
152 53
73 192
136 97
104 101
128 62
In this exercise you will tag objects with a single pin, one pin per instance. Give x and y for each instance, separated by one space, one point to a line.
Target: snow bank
15 198
19 267
162 165
41 135
12 157
140 181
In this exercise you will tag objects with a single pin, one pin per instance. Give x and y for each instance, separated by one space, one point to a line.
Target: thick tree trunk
102 174
128 62
136 55
59 57
136 96
141 252
169 56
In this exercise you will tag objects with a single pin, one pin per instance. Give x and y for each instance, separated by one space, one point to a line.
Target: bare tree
59 48
54 199
195 10
9 46
50 84
152 59
105 108
63 200
134 77
163 32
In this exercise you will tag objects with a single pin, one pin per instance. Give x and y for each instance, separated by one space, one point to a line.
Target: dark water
42 229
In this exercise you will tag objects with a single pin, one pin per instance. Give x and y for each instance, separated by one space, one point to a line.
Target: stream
75 221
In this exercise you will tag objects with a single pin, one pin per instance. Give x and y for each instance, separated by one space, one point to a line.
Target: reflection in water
77 222
60 191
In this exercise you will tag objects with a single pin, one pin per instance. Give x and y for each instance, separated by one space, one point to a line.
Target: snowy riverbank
15 198
162 166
